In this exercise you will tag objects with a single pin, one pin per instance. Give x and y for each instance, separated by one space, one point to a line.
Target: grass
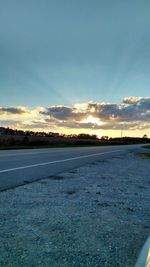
60 145
47 146
29 147
146 155
146 146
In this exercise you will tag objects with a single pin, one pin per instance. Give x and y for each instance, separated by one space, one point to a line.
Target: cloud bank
133 113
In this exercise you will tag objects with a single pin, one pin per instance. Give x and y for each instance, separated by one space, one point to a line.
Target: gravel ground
95 216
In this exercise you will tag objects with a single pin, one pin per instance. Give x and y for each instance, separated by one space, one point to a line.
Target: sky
75 66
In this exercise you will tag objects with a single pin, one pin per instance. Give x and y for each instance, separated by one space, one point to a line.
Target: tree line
15 132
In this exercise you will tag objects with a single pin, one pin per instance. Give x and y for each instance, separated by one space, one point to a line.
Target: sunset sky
73 66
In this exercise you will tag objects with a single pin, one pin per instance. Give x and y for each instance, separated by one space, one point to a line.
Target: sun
93 120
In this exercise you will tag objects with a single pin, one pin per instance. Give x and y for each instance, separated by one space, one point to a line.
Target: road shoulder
96 215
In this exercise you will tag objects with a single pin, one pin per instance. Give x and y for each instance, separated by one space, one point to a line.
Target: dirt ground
95 216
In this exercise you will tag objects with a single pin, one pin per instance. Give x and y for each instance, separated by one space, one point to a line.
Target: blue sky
67 52
64 52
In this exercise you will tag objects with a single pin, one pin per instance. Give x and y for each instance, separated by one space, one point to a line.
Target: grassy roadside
27 147
59 146
46 146
146 154
147 146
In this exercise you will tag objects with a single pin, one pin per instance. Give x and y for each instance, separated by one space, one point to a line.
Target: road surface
18 167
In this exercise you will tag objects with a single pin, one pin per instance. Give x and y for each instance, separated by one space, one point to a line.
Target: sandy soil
94 216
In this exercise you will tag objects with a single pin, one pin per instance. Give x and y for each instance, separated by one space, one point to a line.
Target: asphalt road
18 167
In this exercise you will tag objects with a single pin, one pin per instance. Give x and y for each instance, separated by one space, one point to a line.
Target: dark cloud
58 112
63 113
13 110
131 109
133 112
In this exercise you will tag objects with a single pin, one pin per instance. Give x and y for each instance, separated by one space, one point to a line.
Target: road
18 167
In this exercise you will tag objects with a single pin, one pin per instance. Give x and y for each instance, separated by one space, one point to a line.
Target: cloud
131 100
13 110
133 113
58 112
63 113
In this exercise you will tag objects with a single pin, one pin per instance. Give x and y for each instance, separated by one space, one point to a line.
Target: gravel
95 216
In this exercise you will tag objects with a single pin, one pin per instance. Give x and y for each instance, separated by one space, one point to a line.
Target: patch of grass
146 146
27 147
8 147
145 155
33 146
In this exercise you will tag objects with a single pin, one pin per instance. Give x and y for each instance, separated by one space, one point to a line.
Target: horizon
71 135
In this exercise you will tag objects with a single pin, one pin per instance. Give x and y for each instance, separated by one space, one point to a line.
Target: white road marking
56 161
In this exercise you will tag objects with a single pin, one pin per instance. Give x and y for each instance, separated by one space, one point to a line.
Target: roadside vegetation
147 153
147 146
18 139
144 155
